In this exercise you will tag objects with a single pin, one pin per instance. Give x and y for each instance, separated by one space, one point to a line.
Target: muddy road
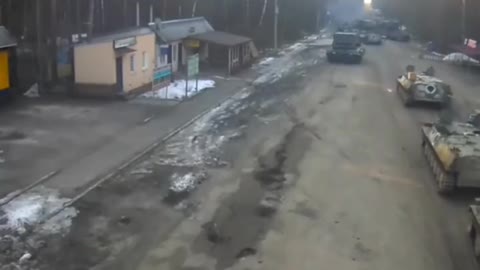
314 165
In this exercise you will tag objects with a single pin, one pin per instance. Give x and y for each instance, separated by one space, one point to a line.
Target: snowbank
176 90
31 208
266 61
459 58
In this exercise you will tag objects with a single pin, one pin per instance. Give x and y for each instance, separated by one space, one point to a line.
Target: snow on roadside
199 144
176 90
32 208
459 58
266 61
181 183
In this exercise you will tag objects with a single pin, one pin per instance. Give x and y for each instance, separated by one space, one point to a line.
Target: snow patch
34 207
199 144
459 58
186 182
266 61
32 92
178 89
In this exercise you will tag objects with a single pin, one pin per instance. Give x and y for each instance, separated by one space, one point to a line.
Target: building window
132 62
144 60
174 52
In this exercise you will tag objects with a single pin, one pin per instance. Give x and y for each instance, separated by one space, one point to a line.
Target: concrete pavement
123 147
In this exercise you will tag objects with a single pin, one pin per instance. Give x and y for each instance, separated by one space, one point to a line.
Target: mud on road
117 223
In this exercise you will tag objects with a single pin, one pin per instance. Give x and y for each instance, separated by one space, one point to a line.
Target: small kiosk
8 69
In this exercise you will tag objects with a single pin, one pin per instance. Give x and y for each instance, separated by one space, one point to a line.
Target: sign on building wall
161 77
192 43
124 42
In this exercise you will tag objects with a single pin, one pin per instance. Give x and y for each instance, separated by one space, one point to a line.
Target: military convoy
451 148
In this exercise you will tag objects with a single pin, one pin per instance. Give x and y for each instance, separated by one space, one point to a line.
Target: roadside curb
99 180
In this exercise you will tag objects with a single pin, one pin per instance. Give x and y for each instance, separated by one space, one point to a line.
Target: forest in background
441 21
40 24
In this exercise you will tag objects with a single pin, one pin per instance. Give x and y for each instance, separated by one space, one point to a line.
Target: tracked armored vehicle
416 88
452 150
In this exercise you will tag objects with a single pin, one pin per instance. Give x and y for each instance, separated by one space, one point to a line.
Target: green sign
193 65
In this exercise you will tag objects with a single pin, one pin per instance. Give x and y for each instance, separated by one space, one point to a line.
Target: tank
416 88
346 48
452 150
474 227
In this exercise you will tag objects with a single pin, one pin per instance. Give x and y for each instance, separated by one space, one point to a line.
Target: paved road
363 196
366 180
331 144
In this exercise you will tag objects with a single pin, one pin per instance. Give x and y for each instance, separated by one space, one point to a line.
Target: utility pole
53 41
40 58
247 14
91 18
137 7
464 20
151 13
275 26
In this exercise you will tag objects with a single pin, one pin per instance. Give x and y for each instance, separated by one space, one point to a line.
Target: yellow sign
192 43
4 71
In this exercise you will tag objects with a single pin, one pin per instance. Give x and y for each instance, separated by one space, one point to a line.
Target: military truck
452 150
474 227
346 47
416 88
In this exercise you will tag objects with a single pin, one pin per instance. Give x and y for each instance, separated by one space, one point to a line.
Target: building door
119 70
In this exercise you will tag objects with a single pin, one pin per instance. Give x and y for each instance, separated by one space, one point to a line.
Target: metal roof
132 32
222 38
175 30
6 40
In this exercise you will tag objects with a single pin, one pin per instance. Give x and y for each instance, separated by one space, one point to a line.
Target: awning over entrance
221 38
123 51
6 40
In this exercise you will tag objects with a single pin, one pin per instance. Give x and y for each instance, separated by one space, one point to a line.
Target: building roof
222 38
131 32
6 39
176 30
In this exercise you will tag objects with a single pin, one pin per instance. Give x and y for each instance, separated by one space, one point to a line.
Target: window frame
132 62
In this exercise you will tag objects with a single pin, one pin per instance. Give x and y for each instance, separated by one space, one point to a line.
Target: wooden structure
228 51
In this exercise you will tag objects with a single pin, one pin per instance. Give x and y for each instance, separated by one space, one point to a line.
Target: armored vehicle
452 150
346 47
373 39
474 228
423 88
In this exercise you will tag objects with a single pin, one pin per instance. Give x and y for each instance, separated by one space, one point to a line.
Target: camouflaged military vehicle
452 150
474 228
423 88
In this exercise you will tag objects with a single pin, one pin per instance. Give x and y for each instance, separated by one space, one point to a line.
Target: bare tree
264 10
194 8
